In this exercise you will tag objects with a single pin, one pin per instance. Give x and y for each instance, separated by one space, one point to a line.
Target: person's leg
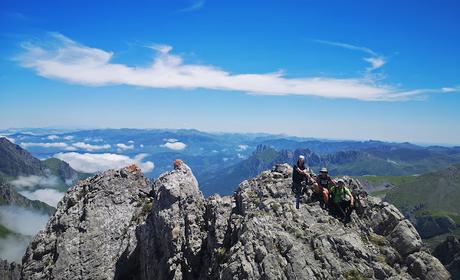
326 197
297 200
348 213
343 209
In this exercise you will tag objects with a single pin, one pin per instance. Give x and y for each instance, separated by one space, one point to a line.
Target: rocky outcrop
172 237
9 271
100 232
448 252
92 231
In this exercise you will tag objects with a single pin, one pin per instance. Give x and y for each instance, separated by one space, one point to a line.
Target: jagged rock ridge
105 228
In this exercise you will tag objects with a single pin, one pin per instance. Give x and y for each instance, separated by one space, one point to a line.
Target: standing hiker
300 176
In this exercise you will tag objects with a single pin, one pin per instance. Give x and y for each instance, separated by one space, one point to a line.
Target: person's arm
352 199
332 181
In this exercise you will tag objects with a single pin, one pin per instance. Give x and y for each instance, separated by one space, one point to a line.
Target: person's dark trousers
297 200
345 210
297 189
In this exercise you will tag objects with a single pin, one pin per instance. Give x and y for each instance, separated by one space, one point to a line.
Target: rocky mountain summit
116 226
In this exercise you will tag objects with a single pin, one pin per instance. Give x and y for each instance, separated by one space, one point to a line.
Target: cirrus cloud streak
64 59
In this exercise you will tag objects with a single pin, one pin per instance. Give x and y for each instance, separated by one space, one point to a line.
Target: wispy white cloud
347 46
376 61
64 59
92 163
450 89
196 5
68 137
53 137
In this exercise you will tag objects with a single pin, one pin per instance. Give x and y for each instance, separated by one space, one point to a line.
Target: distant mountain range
373 158
212 152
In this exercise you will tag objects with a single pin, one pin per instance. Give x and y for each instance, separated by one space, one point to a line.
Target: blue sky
386 70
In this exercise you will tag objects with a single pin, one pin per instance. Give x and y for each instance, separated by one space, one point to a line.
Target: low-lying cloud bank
22 221
56 145
49 196
65 146
25 182
26 223
13 247
91 163
59 57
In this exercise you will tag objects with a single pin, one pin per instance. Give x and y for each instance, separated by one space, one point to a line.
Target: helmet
324 169
340 181
301 157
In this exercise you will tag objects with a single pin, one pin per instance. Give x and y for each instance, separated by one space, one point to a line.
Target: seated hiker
342 201
300 176
321 189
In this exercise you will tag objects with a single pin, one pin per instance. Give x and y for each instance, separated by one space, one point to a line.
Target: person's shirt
340 194
324 181
298 177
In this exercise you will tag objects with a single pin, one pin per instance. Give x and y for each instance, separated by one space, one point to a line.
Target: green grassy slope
436 193
4 231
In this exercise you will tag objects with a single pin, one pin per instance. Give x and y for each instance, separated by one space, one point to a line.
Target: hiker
300 177
342 201
322 187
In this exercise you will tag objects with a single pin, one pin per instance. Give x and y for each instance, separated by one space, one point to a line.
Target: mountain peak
255 234
15 161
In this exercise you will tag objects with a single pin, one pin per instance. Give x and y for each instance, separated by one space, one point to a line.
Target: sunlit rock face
118 225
